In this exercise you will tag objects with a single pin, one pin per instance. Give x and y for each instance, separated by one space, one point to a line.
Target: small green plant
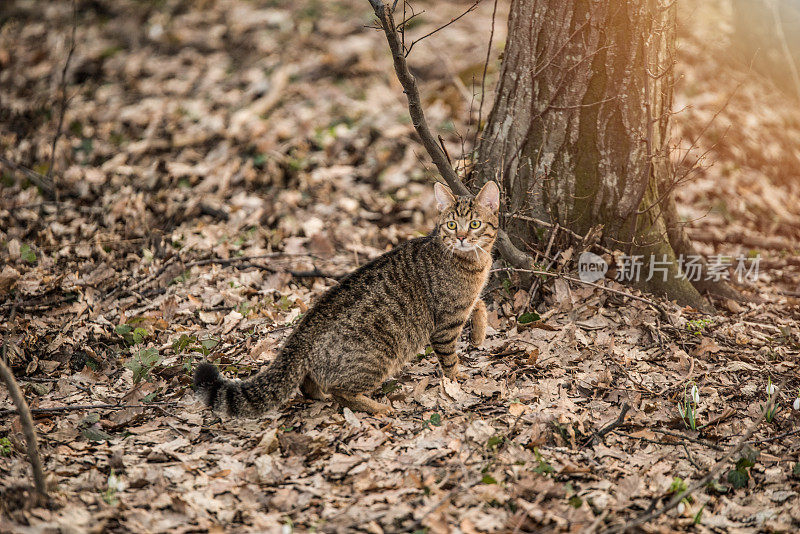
244 308
91 429
133 335
688 407
181 278
142 362
697 326
698 517
507 285
5 447
427 352
544 468
113 486
190 343
434 420
488 479
27 253
770 414
528 317
677 487
390 387
739 476
572 496
495 442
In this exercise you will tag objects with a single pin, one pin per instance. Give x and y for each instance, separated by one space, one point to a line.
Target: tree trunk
579 130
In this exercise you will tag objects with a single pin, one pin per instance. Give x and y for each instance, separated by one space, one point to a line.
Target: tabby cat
363 330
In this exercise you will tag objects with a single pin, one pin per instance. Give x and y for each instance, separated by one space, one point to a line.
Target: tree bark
578 134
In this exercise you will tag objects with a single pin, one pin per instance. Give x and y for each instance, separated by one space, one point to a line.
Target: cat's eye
474 224
451 225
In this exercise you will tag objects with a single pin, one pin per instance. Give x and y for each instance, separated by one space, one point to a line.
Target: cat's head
468 224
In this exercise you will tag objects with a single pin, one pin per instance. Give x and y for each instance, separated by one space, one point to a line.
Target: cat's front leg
478 333
443 342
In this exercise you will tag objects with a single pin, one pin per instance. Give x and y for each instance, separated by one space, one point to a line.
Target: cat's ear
444 197
489 196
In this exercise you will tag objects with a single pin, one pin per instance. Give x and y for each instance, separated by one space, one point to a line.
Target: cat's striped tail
268 389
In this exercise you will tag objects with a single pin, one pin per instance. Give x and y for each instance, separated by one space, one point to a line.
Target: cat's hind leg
478 333
312 390
359 402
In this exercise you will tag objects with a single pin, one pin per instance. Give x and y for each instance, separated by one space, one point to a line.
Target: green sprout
689 406
770 415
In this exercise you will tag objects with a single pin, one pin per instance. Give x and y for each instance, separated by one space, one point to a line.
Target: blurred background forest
180 180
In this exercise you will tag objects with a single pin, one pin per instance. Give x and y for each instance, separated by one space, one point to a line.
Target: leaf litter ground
217 159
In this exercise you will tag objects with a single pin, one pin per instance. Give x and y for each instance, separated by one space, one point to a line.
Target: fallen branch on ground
39 180
718 237
80 407
600 434
25 419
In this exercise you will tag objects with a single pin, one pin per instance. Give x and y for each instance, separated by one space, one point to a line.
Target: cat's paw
453 373
476 339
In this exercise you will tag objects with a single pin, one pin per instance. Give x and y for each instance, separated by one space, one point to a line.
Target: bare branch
25 419
82 407
443 26
39 180
507 249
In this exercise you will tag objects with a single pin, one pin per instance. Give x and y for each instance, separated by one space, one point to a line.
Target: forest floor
222 162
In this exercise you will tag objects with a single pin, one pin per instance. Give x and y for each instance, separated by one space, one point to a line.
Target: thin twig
580 238
483 77
228 261
39 180
25 419
600 434
81 407
443 26
63 103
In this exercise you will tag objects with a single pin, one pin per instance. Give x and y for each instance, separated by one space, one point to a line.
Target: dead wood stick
39 180
26 421
80 407
228 261
510 253
717 237
600 434
682 436
710 475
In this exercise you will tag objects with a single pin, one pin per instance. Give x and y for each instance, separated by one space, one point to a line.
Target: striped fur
363 330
